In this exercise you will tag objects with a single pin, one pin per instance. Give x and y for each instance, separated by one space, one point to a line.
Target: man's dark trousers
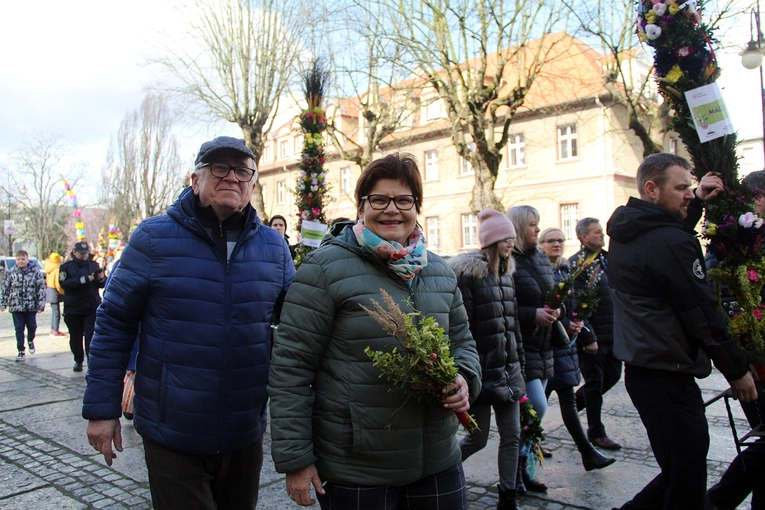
80 327
672 411
181 481
601 371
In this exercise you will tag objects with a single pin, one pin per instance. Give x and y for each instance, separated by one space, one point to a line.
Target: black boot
531 484
520 489
593 459
507 499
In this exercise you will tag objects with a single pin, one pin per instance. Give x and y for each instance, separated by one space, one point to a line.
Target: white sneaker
31 348
21 356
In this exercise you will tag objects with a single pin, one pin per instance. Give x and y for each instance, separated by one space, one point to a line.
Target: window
281 193
516 151
567 138
434 110
433 232
673 146
345 180
298 143
569 217
284 148
466 168
267 153
469 231
431 165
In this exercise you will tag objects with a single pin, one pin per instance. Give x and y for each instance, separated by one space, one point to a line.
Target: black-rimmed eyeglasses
381 202
221 170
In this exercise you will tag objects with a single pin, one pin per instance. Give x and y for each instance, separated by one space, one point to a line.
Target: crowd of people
217 330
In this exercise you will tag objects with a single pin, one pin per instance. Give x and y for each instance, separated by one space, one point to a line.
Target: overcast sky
74 68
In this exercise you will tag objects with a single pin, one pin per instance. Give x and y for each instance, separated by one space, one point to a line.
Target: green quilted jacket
329 407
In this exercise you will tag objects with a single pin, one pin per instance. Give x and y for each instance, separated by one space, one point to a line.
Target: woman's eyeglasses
553 241
381 202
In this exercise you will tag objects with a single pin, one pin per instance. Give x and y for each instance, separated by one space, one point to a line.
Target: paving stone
90 498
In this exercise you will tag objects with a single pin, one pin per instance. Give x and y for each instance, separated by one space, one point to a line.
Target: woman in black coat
485 279
533 280
565 361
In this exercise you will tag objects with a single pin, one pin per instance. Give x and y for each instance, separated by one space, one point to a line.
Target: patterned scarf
406 261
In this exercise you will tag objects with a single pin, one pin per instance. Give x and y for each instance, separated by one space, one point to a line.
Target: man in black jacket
667 327
81 278
600 369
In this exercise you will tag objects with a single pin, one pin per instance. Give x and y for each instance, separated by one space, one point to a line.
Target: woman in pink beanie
485 279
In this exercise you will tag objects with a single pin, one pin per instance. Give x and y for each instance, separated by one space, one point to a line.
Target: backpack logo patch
62 276
698 270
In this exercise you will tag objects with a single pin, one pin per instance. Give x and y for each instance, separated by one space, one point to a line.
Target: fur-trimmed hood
474 264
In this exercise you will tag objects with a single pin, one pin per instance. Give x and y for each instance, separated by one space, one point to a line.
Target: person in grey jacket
335 424
485 279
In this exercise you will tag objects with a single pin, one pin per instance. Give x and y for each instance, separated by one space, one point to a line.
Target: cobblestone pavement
46 462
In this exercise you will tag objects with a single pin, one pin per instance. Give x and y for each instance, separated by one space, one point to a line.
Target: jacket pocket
162 393
356 432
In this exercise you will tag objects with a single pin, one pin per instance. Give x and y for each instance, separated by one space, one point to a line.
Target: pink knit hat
493 227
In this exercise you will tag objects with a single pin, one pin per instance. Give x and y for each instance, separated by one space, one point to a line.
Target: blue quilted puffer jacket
204 350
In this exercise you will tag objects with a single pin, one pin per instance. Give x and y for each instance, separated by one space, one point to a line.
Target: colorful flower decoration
77 213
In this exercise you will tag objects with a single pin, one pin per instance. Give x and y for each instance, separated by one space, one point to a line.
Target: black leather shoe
605 443
508 500
77 366
595 460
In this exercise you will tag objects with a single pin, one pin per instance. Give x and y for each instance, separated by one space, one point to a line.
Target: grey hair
520 216
583 225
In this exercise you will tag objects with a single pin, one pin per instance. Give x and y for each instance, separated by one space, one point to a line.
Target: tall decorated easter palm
311 186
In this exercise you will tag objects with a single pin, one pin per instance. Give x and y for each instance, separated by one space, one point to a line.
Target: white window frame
431 165
281 192
569 217
345 180
465 167
266 156
516 149
433 232
568 146
434 110
297 144
284 148
469 223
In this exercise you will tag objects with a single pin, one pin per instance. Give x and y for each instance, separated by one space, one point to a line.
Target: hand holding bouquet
421 366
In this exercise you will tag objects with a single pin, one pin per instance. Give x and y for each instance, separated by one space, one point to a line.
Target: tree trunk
257 193
649 146
483 188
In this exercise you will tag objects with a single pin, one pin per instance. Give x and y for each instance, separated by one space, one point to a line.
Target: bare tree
482 57
237 63
35 183
367 72
144 172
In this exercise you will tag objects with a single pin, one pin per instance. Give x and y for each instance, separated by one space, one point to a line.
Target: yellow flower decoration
711 229
642 36
651 17
674 74
672 9
583 305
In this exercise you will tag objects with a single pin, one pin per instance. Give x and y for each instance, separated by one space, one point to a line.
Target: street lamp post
751 58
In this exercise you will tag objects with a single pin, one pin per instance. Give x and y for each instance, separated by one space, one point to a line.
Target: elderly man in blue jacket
205 281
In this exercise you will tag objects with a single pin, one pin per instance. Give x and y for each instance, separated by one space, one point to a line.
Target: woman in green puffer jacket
333 420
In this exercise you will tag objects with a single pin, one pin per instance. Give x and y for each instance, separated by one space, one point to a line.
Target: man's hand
2 309
743 389
299 485
101 434
591 349
709 186
456 396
